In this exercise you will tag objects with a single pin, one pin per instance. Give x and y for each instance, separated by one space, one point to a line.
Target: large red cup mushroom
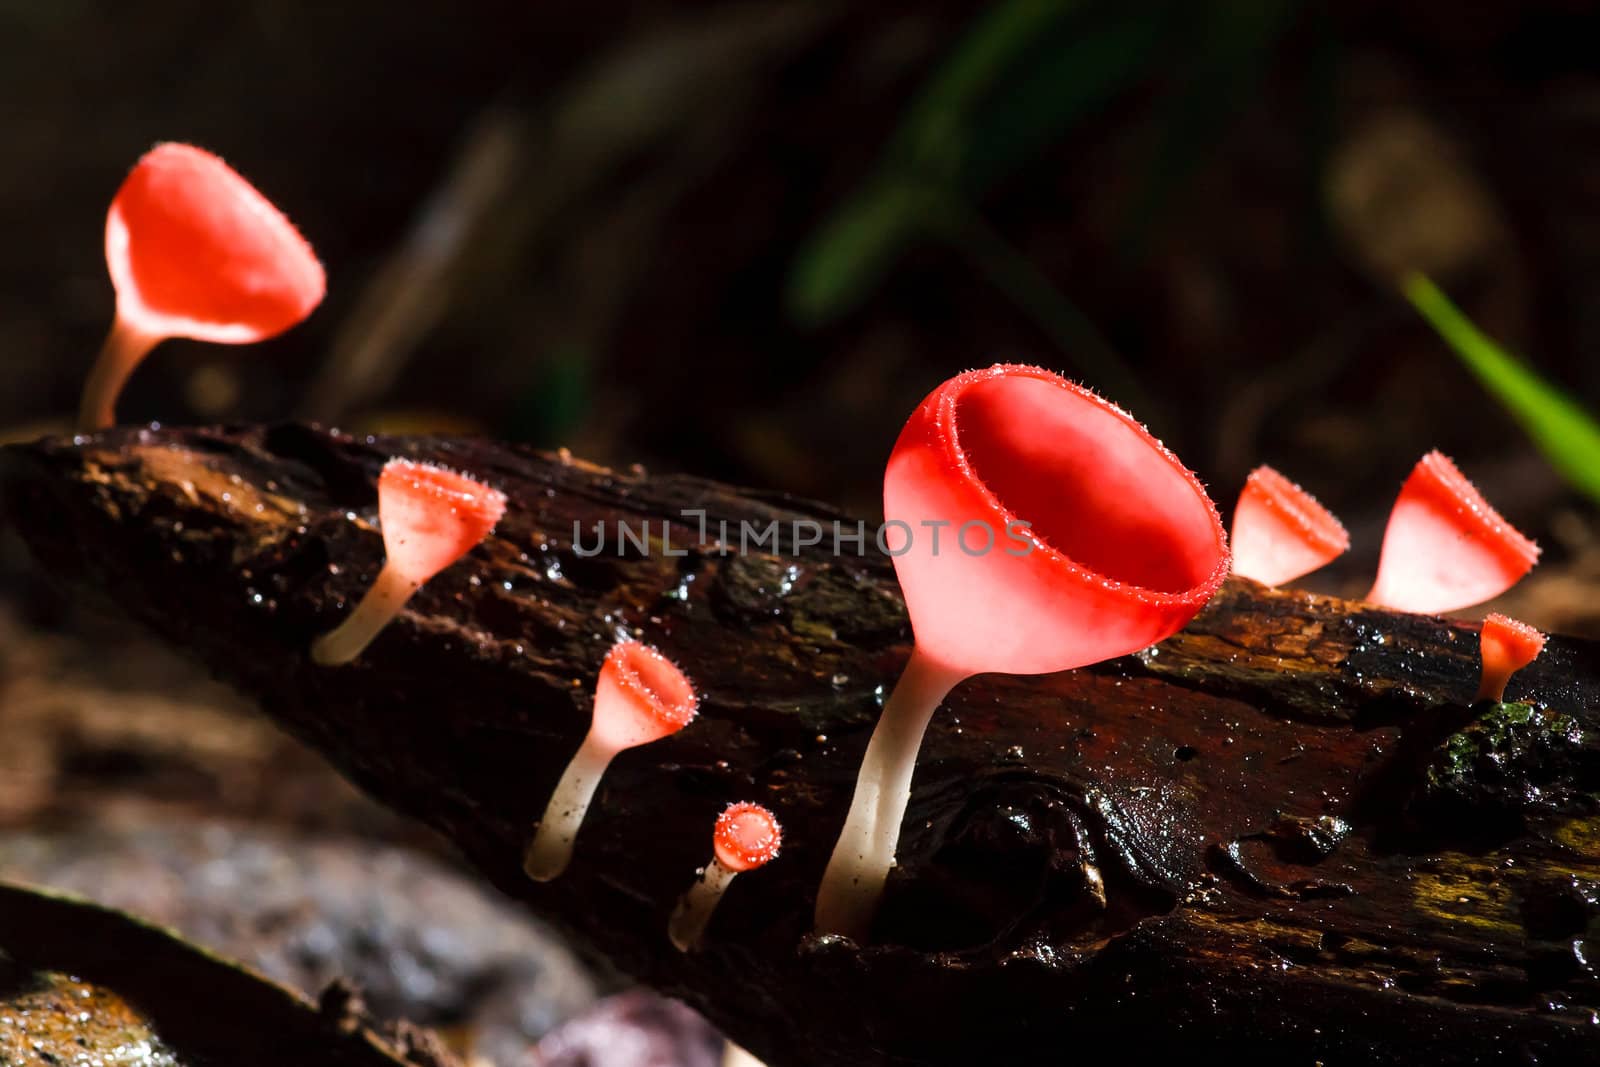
1281 532
195 251
1070 535
1445 548
431 517
641 697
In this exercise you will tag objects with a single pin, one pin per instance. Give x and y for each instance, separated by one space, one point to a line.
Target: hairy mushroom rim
746 836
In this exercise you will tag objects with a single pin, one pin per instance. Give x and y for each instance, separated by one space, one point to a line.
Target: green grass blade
1567 435
845 260
932 138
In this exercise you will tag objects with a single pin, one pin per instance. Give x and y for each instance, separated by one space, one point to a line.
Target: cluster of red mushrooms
195 251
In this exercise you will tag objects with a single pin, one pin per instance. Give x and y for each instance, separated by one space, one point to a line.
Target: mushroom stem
861 859
377 609
551 849
123 350
694 908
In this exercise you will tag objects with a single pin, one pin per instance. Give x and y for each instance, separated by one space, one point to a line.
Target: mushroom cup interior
667 696
1093 484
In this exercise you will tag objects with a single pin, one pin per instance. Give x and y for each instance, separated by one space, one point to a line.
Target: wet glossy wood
1280 834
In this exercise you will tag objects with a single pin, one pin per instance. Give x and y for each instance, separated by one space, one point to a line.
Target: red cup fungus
195 251
746 836
1280 532
431 517
1505 646
640 697
1069 535
1445 548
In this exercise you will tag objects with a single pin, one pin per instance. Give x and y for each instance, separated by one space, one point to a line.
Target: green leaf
840 265
1567 435
932 138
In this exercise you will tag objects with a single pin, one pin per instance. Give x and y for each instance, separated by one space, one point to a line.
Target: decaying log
81 983
1280 835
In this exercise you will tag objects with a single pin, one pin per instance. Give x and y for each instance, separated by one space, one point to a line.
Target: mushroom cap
432 516
746 836
196 251
1281 532
1123 545
641 697
1507 645
1445 548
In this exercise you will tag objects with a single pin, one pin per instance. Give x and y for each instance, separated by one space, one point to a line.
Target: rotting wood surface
1278 836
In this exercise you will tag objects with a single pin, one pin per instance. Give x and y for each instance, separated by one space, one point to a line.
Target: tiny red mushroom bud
1280 532
1445 548
1505 646
431 517
746 836
1100 543
641 697
195 251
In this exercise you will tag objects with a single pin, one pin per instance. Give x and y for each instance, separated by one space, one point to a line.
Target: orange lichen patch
51 1018
204 485
191 477
746 836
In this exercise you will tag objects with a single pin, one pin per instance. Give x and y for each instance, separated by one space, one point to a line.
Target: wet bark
80 983
1281 835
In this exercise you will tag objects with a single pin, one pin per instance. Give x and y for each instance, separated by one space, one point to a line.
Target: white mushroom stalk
640 697
431 517
746 836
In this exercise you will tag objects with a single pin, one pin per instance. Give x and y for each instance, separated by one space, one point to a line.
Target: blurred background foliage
745 239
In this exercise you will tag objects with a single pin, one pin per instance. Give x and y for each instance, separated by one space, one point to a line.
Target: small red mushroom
1280 532
641 697
431 517
1445 548
746 836
1069 535
195 251
1505 646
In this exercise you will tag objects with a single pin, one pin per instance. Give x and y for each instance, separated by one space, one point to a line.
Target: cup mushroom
641 696
1281 532
1099 543
1445 548
1506 646
194 251
431 517
746 836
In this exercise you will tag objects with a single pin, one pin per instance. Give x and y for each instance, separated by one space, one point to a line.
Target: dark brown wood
138 994
1280 835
